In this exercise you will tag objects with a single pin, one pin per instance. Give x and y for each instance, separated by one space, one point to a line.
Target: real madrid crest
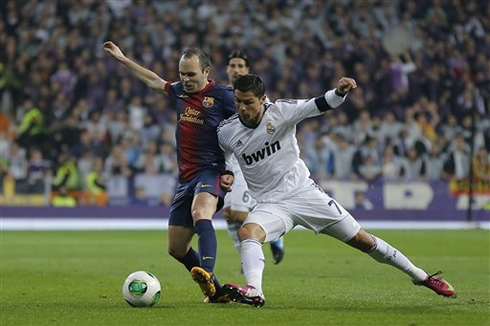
270 128
208 102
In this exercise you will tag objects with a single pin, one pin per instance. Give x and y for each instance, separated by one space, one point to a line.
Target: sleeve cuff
338 93
330 100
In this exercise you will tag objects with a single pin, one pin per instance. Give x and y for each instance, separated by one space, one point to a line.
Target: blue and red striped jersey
198 116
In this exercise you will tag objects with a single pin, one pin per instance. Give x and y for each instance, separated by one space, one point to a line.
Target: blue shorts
205 181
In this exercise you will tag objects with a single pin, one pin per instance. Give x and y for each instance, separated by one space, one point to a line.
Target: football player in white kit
239 202
262 137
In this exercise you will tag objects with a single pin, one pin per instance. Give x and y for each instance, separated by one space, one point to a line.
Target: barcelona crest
208 102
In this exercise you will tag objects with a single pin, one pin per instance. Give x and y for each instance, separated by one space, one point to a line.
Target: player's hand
346 84
113 50
226 182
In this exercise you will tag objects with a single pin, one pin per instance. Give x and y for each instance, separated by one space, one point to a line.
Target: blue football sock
191 259
207 244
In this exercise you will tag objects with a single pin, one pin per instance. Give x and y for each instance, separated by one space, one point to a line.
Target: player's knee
244 233
202 214
251 231
196 214
362 241
204 206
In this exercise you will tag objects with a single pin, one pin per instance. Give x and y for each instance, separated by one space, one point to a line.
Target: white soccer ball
141 289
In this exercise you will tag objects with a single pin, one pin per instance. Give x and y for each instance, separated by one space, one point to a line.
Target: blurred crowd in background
72 115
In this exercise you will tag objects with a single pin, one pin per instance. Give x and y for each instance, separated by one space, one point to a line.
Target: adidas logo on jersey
267 151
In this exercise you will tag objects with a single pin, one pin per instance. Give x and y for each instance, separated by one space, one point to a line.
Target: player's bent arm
228 176
227 151
333 98
151 79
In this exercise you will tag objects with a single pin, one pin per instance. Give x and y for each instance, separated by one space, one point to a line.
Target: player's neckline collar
248 125
209 84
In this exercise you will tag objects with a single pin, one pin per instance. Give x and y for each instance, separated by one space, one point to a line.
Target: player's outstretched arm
148 77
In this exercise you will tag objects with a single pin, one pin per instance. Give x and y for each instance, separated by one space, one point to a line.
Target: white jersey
268 154
232 163
239 199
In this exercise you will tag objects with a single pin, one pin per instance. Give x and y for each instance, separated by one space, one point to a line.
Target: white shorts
239 199
312 208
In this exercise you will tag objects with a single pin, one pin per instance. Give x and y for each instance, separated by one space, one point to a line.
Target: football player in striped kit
200 105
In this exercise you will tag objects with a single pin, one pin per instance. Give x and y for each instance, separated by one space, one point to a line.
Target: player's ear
263 98
207 71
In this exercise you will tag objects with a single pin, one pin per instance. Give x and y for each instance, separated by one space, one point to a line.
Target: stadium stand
71 119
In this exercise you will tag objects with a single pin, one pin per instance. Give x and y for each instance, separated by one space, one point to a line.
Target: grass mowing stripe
75 278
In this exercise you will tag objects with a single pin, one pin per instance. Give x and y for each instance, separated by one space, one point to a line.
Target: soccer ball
141 289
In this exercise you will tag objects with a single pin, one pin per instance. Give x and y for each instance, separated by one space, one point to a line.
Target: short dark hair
204 58
250 83
240 55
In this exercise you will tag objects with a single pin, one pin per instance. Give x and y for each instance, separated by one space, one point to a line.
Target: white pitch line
59 224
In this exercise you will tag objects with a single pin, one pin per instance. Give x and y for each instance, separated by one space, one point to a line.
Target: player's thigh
344 230
179 240
274 219
203 206
315 210
208 195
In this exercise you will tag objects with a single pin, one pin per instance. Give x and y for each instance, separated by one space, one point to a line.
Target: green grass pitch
75 278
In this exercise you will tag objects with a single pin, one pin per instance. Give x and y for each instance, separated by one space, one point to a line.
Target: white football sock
386 254
233 231
253 262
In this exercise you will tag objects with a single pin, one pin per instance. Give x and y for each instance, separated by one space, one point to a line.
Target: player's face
192 76
249 107
236 68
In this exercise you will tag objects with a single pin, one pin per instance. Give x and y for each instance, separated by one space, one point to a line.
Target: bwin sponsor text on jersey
267 151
